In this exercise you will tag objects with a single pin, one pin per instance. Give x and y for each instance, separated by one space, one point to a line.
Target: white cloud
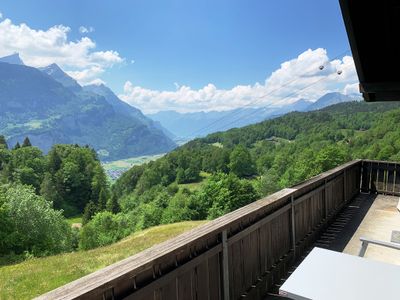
83 29
353 88
300 72
1 15
42 47
88 76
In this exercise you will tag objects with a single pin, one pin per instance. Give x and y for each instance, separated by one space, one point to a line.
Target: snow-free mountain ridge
50 108
196 124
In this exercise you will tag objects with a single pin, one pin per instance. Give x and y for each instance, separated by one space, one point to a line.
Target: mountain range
50 107
197 124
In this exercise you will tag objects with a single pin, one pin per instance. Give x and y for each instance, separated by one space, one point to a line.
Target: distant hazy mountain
118 105
12 59
50 107
299 105
124 108
330 99
189 125
196 124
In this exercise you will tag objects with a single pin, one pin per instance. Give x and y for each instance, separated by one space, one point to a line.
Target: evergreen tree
54 161
99 183
17 146
49 192
89 212
113 205
5 156
102 200
3 142
180 175
26 143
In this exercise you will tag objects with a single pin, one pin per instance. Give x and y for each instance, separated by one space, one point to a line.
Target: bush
149 214
182 207
268 183
241 163
105 228
224 193
30 224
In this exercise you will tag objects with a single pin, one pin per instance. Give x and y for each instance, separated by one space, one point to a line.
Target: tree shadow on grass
12 259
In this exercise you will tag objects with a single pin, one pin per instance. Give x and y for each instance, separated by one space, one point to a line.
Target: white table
329 275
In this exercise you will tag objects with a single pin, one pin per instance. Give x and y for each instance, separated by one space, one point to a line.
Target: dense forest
202 179
38 191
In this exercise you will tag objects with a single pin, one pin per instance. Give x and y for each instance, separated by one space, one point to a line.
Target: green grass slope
34 277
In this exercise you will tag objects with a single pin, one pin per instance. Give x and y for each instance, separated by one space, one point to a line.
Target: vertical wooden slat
374 178
293 227
225 264
345 185
201 282
169 291
247 261
214 267
370 188
380 178
397 180
263 248
269 245
184 286
387 178
364 178
255 257
394 178
157 294
326 200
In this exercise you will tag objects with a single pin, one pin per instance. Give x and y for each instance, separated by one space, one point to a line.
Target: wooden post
225 264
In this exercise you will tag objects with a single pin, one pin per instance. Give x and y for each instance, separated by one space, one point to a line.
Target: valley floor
36 276
114 169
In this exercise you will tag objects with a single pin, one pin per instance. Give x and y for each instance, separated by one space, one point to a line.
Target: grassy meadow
36 276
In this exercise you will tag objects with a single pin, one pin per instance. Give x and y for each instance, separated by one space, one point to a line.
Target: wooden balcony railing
380 177
241 254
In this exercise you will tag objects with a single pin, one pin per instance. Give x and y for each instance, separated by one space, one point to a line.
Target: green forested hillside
292 147
37 191
250 162
202 179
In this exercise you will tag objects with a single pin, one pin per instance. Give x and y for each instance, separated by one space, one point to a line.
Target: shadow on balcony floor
341 230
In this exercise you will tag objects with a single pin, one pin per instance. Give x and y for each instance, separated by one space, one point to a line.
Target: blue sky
189 43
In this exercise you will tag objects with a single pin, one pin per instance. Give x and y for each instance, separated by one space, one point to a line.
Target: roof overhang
373 28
